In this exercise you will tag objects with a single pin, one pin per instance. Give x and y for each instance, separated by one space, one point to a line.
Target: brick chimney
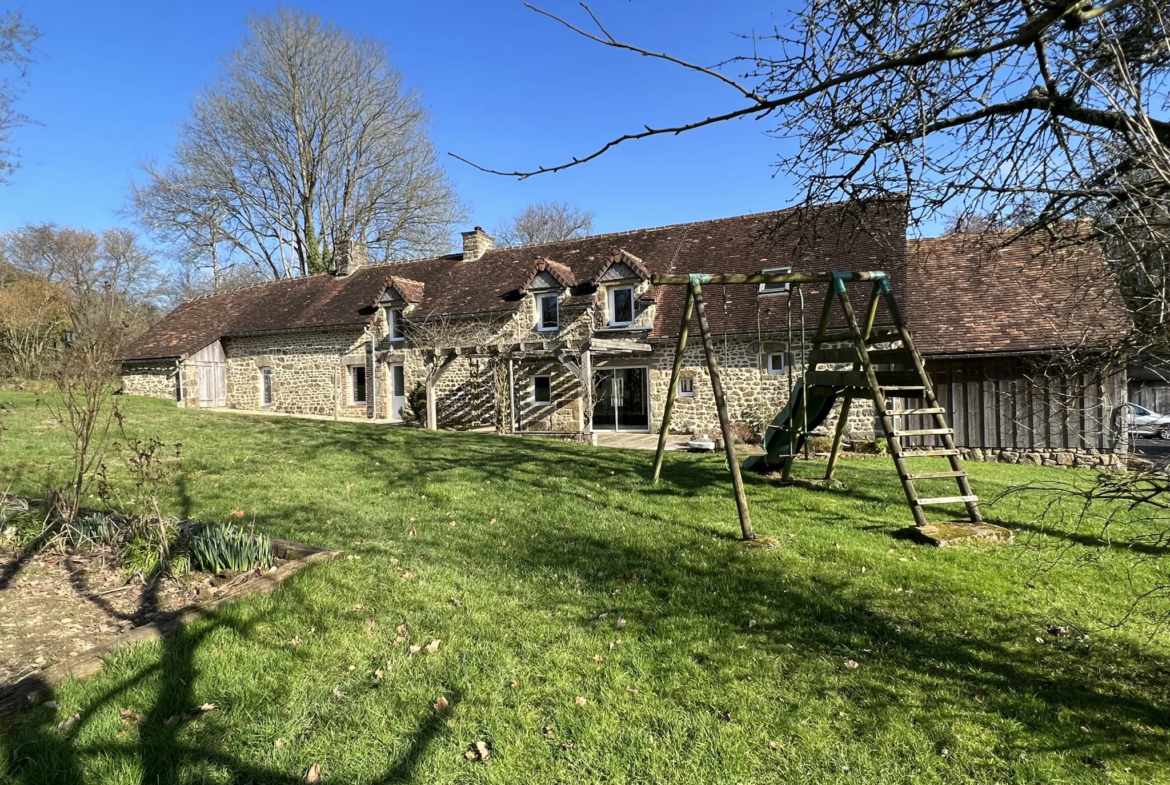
349 256
476 243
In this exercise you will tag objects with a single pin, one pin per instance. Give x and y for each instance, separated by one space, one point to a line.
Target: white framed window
397 326
686 388
774 288
621 306
266 387
776 363
357 384
548 308
542 389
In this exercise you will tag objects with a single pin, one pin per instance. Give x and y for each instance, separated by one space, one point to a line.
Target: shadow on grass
43 752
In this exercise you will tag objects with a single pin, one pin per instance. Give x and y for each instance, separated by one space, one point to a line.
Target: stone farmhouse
573 338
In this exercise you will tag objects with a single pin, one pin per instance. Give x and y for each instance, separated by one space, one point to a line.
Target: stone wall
309 371
153 380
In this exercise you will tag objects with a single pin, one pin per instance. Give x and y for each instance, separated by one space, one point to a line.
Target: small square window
549 310
542 389
266 387
397 327
686 388
774 288
621 306
357 384
776 364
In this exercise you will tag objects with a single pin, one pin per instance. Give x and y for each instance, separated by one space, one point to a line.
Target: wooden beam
587 390
838 436
762 278
434 371
672 391
745 518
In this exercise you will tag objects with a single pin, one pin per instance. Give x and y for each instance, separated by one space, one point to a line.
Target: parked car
1145 423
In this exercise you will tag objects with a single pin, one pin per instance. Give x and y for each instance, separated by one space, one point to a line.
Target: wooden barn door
211 365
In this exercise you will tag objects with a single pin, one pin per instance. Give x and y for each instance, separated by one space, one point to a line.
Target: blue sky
505 87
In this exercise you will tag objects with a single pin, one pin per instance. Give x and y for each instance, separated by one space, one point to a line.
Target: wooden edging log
19 695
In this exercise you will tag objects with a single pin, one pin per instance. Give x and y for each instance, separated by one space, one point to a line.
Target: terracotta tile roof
978 294
959 296
560 273
411 291
854 235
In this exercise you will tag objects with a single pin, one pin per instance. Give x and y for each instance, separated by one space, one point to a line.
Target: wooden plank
849 355
930 454
935 475
923 432
947 500
878 335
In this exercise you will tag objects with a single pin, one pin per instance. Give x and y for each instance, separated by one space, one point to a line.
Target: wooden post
432 407
838 435
672 391
587 392
745 519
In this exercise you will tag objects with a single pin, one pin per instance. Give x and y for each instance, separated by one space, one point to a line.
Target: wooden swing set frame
863 381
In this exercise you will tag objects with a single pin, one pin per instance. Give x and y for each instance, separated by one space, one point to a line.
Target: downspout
373 374
179 379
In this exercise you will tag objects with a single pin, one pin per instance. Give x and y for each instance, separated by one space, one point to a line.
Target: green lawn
522 555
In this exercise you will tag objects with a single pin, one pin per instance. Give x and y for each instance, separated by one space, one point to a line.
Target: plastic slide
779 437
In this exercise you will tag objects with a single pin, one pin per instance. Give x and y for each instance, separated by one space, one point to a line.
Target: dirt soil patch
61 604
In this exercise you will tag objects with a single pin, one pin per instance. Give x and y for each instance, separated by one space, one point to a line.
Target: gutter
373 374
179 378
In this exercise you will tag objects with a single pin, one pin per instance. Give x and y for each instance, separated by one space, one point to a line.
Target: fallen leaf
237 513
399 641
68 721
412 533
550 731
485 753
378 674
433 646
751 623
295 641
415 648
313 775
51 705
408 575
598 659
580 700
493 520
620 624
401 629
278 743
337 693
851 664
470 754
513 685
773 745
370 624
632 690
980 697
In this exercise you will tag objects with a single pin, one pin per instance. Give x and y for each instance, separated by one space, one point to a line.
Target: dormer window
396 325
548 308
621 306
774 288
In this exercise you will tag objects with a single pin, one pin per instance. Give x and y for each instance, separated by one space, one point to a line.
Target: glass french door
620 400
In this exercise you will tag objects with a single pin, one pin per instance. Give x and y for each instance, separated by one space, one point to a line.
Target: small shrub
218 547
89 531
415 411
147 551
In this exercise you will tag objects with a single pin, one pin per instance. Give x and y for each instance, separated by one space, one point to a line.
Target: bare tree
85 263
34 316
309 134
17 38
545 222
1040 114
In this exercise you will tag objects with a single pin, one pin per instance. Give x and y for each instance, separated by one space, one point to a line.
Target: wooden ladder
864 380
